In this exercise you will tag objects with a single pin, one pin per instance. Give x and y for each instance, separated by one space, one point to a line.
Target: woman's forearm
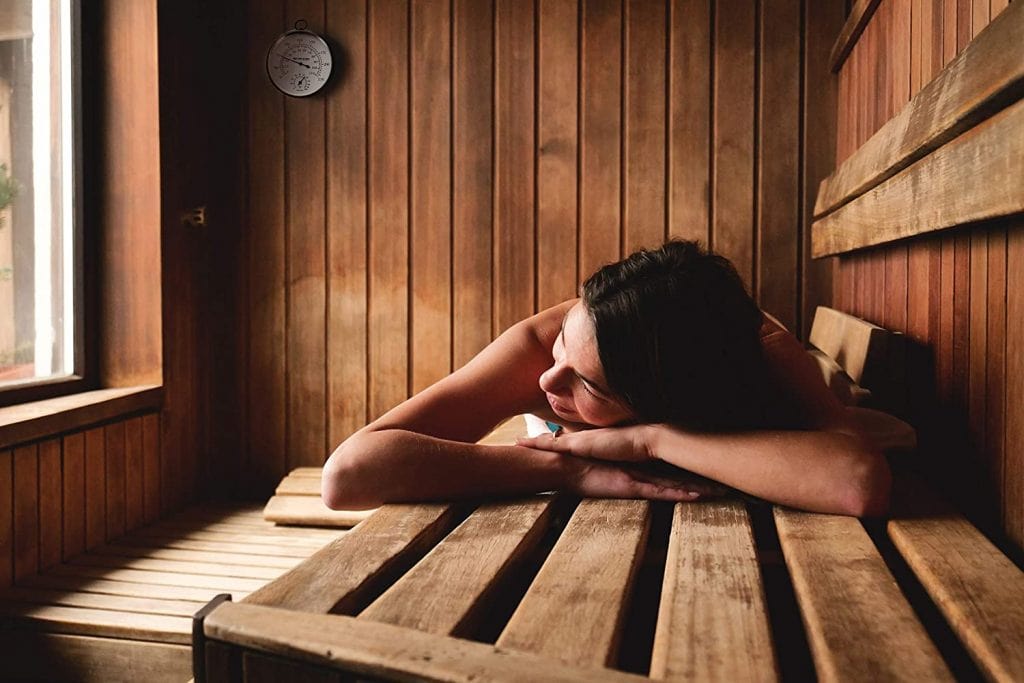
394 465
821 471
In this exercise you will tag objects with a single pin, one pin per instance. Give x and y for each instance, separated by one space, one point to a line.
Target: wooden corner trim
860 15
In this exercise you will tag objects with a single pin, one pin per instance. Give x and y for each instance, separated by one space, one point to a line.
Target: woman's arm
821 471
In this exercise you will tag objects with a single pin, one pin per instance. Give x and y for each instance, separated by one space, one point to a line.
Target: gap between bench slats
448 590
712 622
860 626
977 588
575 607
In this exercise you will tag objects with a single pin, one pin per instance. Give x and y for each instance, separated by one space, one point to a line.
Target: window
40 300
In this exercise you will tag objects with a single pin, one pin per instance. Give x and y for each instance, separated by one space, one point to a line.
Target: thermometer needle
294 61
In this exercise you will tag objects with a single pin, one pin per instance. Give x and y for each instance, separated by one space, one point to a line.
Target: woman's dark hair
677 335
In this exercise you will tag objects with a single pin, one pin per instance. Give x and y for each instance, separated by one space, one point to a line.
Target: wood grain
976 163
388 188
854 612
1013 478
860 15
134 481
987 76
95 489
712 622
514 146
600 114
97 622
644 125
267 406
472 177
453 585
73 466
26 511
575 608
50 503
383 650
732 218
431 198
977 588
310 510
151 456
45 596
339 576
6 519
115 478
557 149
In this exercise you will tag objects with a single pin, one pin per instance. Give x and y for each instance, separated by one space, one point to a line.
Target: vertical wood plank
151 469
134 481
778 151
600 134
998 6
903 64
115 479
995 363
472 197
948 31
388 111
643 95
964 20
979 16
513 163
1013 477
50 507
689 119
430 351
6 518
733 180
26 511
305 169
823 111
266 409
73 466
346 227
557 147
95 488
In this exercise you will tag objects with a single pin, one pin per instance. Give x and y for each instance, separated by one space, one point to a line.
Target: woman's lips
558 407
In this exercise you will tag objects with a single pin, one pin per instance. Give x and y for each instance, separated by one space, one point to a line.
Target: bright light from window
37 202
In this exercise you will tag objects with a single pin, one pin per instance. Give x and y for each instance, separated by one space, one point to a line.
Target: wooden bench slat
242 548
983 164
988 71
712 621
977 588
298 486
174 566
121 603
450 586
268 530
576 606
50 656
255 540
96 622
385 651
93 585
859 347
301 509
249 560
340 574
185 580
859 625
505 433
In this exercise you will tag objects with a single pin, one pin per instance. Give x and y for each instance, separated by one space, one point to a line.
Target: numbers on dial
299 63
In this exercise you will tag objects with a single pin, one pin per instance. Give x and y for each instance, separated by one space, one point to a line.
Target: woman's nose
553 380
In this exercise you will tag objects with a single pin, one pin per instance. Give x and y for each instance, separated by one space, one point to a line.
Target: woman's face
575 385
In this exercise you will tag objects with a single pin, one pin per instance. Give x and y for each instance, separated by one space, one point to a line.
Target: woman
664 359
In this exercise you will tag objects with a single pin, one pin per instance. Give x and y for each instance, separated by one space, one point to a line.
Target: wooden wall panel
954 294
73 467
431 188
50 504
95 488
472 162
116 476
6 519
26 511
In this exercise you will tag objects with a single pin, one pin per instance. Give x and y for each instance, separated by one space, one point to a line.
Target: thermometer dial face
299 63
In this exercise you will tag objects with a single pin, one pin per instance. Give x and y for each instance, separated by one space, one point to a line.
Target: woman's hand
622 444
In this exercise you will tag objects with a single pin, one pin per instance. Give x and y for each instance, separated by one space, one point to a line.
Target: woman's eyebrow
591 382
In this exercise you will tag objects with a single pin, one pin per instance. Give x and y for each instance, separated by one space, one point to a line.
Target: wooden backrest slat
384 651
575 608
859 625
977 588
447 591
859 347
338 576
712 622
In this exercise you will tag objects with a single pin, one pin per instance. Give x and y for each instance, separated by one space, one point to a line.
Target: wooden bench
552 588
122 611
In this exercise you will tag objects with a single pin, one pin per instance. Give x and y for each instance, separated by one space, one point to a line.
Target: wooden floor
122 611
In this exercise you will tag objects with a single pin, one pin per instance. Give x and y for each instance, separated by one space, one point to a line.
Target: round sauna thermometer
299 62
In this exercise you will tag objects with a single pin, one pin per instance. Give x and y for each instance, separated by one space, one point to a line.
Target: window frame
82 378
